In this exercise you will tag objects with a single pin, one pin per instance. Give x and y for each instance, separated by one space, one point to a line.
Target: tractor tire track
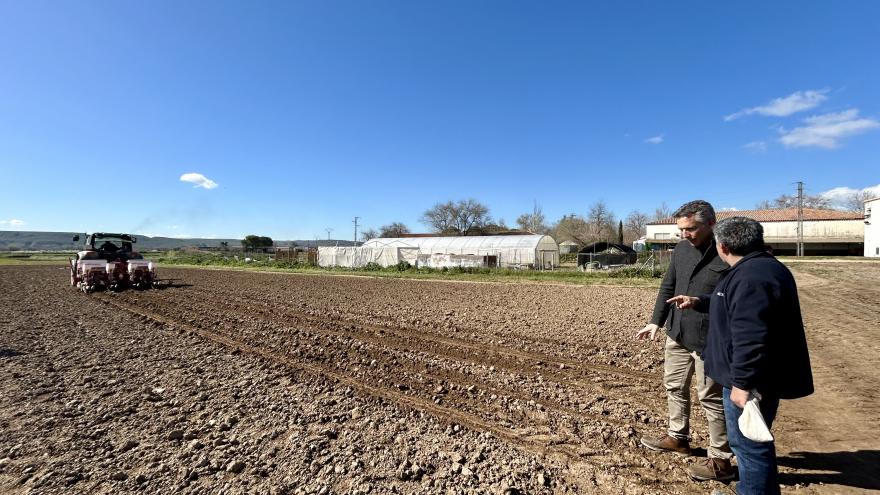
402 342
403 332
458 380
525 442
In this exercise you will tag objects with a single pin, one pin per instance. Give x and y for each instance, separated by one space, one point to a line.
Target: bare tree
634 225
533 222
764 205
440 217
368 234
856 201
395 229
810 201
489 228
572 228
456 217
601 221
662 212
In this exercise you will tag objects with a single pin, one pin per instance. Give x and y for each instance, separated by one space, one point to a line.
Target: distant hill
11 240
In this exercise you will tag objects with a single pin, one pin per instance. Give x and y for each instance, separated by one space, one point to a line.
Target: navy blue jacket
756 335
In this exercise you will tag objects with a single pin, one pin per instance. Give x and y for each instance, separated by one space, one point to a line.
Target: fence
296 255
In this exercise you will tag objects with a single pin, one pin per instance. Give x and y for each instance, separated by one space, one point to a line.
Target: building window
661 235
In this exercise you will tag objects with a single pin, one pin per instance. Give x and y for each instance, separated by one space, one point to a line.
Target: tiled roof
781 215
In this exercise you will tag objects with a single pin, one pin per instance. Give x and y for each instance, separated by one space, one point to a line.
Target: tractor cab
110 261
110 247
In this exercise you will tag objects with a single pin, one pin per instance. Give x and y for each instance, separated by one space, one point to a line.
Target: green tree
256 242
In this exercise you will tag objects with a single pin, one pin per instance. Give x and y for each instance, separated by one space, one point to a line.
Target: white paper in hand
751 422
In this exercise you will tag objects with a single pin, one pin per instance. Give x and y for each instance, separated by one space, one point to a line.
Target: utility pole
356 229
800 219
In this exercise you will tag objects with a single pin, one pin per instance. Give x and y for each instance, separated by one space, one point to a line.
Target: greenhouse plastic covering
437 252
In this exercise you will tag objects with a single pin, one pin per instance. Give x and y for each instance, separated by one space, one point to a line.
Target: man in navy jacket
756 342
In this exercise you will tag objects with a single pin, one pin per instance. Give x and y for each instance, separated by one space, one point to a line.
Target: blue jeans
756 460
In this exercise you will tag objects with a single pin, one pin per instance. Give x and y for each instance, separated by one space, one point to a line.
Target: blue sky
304 115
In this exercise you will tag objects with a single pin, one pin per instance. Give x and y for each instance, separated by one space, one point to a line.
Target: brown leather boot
712 469
668 444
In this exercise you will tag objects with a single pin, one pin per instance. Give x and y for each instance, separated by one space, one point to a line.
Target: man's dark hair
741 235
701 210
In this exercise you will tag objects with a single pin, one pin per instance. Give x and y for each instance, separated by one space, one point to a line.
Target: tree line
599 223
471 217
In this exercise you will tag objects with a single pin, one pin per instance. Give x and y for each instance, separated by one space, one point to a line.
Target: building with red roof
826 232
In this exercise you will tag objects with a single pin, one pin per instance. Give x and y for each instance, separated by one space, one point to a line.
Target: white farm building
506 251
872 228
826 232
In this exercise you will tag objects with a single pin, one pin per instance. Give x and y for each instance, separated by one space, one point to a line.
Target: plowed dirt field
234 382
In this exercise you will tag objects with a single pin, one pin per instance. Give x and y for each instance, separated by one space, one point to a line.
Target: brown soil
831 440
240 382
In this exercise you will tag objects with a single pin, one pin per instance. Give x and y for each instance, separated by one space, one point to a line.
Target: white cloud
655 140
825 131
199 180
729 208
12 222
839 196
785 106
756 146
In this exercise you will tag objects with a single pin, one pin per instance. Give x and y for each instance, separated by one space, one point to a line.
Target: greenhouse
504 251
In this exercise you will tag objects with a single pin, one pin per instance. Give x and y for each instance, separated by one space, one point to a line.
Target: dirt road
240 382
831 440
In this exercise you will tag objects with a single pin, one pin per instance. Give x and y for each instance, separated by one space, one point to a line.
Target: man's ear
723 248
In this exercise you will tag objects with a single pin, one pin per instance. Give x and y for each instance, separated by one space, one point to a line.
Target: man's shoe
668 444
712 469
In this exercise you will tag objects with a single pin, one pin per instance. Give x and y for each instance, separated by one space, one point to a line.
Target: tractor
108 261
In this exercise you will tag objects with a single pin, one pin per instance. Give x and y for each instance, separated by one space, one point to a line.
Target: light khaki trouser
679 367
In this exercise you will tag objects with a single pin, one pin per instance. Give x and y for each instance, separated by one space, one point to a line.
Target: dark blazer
756 339
690 273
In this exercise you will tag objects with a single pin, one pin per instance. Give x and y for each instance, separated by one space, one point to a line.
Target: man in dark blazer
756 343
694 270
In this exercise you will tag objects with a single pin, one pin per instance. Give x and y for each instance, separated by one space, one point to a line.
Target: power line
800 219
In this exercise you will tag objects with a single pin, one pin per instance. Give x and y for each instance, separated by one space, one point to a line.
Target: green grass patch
35 258
632 276
619 276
